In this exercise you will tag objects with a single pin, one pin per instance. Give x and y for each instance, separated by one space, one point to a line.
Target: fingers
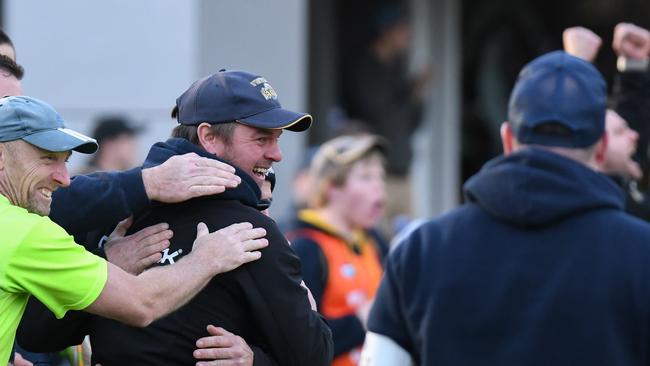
201 230
235 228
256 244
223 348
147 262
219 353
251 234
156 238
205 177
250 256
581 42
219 338
123 226
158 231
216 164
198 191
216 331
186 176
631 41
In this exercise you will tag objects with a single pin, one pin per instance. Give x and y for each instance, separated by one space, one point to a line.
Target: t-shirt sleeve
49 265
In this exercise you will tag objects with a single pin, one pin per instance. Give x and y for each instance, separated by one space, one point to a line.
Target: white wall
135 57
88 58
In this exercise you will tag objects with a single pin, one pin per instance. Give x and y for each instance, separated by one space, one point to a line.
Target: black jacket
262 301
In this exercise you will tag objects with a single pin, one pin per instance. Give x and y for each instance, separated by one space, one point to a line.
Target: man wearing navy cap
541 266
39 258
235 117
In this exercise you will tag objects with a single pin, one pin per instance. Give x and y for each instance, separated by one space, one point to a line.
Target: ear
507 138
601 149
209 142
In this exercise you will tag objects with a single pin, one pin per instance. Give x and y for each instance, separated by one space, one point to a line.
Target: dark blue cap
236 96
557 88
36 122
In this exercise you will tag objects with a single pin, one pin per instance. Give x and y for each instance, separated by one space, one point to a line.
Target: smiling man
235 117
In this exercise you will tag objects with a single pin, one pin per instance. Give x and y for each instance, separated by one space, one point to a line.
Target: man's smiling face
31 174
254 150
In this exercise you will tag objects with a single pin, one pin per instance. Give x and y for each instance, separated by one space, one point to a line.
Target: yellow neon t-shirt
37 257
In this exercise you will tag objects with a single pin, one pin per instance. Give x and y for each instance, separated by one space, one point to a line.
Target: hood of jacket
247 192
535 187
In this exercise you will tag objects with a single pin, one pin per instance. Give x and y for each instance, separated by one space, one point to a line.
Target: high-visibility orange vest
352 278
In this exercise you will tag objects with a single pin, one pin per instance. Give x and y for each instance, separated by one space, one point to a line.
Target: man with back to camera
624 162
234 116
541 266
40 259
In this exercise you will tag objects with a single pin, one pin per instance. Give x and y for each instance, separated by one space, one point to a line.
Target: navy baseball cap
558 89
236 96
36 122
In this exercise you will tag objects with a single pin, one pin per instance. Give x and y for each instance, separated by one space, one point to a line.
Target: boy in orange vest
341 260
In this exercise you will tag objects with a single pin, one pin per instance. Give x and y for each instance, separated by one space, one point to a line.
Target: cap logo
258 81
268 92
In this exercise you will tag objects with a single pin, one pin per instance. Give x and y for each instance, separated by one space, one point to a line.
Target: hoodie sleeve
296 334
98 200
387 316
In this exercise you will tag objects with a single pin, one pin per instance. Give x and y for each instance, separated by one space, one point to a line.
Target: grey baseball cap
36 122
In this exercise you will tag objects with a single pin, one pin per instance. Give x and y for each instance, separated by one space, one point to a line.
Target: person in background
341 261
631 98
541 265
116 137
7 46
378 89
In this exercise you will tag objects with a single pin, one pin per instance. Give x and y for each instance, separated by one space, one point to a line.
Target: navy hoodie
540 267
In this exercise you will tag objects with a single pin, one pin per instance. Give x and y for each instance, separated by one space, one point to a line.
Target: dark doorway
339 32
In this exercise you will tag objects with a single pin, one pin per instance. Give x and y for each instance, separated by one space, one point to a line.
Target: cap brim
279 118
62 139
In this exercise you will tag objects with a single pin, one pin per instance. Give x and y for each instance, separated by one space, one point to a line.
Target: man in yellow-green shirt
37 257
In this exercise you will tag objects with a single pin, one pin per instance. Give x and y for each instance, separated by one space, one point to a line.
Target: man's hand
187 176
631 41
228 248
222 348
137 252
581 42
